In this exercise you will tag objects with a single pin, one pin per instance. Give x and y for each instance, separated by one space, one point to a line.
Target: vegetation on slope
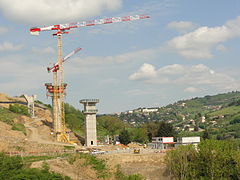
218 115
14 168
19 109
7 116
74 119
101 168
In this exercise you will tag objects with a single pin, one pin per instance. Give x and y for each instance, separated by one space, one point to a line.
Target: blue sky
186 49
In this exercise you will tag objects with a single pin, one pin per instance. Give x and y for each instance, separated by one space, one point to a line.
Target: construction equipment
57 89
63 28
136 151
55 67
57 92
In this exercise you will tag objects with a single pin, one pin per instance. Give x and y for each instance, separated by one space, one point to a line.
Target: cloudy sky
186 49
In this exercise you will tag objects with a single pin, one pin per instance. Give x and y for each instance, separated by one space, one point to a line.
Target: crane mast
57 92
58 88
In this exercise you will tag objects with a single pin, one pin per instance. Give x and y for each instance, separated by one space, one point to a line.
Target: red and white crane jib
55 67
107 21
62 28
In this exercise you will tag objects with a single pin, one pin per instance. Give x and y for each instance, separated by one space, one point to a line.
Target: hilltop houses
144 110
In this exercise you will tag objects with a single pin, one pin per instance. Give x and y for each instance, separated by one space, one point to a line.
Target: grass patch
30 159
19 127
69 147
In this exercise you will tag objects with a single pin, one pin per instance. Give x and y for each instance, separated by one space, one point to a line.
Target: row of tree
145 133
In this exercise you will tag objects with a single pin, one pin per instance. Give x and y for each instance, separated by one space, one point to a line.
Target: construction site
39 141
45 132
57 89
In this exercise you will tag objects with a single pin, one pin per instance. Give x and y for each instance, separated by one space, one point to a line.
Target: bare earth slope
151 165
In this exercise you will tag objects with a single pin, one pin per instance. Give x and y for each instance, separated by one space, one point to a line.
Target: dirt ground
38 137
75 171
151 166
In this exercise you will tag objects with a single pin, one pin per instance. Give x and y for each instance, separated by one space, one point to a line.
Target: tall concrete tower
90 121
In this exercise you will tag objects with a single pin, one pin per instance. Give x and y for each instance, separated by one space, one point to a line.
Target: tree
166 130
110 123
205 135
212 160
139 135
124 137
181 162
73 117
152 129
215 159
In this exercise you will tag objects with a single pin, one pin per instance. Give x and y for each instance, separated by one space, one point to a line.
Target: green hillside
218 115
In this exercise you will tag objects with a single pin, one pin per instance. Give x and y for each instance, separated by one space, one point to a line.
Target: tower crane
57 92
57 89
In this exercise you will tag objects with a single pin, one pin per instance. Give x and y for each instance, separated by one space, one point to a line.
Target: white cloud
47 50
85 64
3 30
192 90
146 71
182 26
199 43
177 74
8 46
55 11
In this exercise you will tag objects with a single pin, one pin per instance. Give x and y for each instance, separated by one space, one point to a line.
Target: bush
20 109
